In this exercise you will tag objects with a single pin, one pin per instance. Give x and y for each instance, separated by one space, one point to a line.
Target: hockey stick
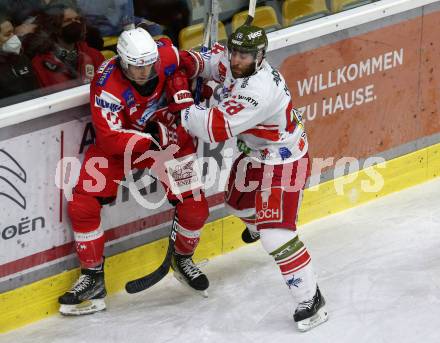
251 13
214 23
151 279
204 49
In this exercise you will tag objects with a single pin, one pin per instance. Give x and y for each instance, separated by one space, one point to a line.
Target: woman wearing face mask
69 58
16 74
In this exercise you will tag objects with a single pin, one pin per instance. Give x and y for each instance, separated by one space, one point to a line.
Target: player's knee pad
193 213
84 212
85 215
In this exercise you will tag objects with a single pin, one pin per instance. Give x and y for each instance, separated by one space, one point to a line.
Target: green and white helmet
248 38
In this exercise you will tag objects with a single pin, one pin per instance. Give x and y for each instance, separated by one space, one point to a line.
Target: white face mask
12 45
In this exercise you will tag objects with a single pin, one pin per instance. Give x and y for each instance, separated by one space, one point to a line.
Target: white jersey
257 109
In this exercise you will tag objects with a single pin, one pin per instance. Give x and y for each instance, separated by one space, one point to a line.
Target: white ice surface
378 267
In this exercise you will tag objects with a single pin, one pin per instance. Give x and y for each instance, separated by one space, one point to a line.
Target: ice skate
311 313
87 294
189 274
249 236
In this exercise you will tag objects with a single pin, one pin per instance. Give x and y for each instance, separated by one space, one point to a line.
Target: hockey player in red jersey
266 181
127 99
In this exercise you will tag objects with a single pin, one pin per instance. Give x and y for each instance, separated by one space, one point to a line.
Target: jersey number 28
232 107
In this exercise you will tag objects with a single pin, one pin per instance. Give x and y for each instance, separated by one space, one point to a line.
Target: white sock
293 259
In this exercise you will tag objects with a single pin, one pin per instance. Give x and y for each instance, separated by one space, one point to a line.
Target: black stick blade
151 279
147 281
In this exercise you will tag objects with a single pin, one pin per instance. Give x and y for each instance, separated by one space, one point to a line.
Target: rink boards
366 91
38 300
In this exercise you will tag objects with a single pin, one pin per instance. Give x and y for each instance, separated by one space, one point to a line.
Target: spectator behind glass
23 12
25 17
16 74
111 17
68 57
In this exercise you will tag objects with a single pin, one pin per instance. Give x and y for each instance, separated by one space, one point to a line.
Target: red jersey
51 71
119 111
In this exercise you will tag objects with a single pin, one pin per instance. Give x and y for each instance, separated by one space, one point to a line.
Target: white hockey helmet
136 47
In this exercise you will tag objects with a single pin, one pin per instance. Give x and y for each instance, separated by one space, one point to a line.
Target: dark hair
37 43
52 18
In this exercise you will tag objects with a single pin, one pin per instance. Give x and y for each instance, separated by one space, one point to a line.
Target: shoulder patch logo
103 66
105 75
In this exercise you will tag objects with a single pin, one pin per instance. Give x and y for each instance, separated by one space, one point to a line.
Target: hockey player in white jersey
266 181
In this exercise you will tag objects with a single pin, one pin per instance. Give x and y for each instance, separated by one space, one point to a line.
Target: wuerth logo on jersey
11 173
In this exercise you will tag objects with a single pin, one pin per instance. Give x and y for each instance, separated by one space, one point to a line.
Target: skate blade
309 323
86 307
182 280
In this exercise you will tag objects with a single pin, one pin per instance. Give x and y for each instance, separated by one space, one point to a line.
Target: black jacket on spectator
16 75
